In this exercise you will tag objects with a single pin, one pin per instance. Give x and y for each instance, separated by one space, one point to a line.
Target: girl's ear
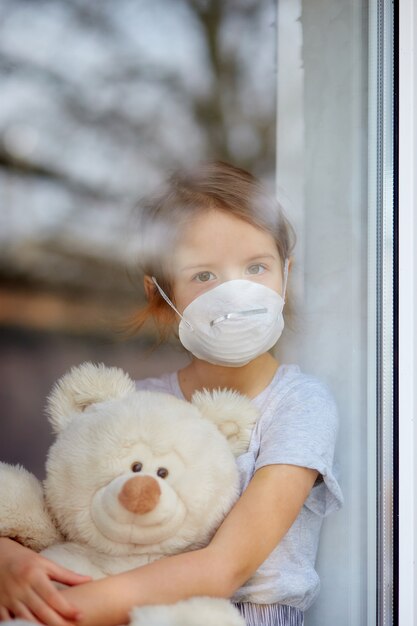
233 414
83 386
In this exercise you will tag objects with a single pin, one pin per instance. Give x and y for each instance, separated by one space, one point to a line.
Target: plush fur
23 512
192 612
132 476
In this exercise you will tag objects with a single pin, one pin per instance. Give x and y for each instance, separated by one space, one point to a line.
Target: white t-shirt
297 426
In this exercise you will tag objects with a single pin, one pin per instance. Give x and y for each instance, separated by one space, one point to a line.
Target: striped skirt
270 614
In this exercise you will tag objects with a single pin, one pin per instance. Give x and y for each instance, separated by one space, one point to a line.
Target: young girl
216 255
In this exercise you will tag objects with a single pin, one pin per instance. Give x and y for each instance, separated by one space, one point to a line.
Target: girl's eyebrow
261 256
256 257
187 268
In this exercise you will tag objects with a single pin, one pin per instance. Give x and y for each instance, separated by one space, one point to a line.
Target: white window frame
407 312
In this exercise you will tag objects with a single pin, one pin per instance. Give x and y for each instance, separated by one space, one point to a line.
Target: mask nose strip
237 314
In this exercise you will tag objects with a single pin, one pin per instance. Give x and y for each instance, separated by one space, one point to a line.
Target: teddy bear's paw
23 513
233 413
192 612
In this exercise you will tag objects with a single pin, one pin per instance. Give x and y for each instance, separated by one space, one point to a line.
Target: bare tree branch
26 168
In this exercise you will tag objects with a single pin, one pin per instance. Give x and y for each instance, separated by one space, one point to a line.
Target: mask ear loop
286 265
168 301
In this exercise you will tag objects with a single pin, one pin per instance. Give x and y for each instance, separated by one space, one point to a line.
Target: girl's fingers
20 610
65 576
4 614
42 612
51 597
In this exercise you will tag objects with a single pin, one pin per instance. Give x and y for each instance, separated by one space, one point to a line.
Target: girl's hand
27 590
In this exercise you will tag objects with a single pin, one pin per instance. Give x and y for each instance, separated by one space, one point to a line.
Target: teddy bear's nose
140 494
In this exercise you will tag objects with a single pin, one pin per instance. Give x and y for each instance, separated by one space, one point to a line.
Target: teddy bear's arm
75 557
83 559
192 612
23 513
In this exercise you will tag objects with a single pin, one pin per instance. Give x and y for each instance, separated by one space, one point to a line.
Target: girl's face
217 247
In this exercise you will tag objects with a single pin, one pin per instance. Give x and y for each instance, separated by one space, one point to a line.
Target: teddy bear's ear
233 414
82 386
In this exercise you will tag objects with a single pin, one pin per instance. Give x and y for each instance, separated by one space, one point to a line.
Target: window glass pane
98 101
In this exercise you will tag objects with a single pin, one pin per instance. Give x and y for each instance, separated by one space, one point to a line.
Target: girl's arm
26 587
250 532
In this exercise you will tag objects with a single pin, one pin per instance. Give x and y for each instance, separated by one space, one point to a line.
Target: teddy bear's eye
136 467
162 472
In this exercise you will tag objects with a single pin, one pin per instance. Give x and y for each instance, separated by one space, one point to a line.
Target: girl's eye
162 472
136 467
203 277
257 268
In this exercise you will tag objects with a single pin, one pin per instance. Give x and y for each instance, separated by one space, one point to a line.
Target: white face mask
232 323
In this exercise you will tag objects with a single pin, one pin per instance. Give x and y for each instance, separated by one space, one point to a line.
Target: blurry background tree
98 100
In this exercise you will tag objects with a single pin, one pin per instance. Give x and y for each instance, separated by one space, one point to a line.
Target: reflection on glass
98 101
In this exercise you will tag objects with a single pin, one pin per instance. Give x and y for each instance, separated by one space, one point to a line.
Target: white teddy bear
132 476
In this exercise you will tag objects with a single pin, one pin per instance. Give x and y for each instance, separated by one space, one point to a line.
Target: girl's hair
186 194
